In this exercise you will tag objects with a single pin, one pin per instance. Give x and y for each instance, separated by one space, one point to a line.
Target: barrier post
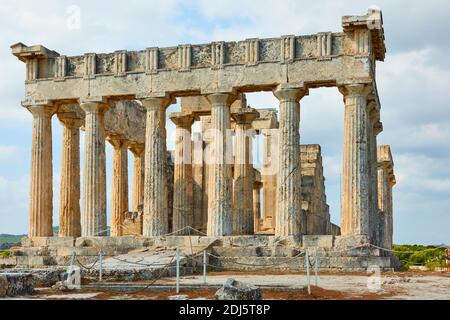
308 280
316 271
178 271
204 266
100 272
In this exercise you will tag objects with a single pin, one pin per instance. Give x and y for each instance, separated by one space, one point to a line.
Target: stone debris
15 284
236 290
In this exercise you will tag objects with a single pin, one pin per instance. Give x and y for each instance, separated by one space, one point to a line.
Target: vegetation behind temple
10 240
418 255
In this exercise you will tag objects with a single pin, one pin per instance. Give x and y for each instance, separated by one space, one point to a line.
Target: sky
413 85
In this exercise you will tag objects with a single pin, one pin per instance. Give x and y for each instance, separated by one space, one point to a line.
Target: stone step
284 251
8 262
297 263
35 261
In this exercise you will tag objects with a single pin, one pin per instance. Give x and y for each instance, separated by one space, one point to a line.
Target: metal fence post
178 271
204 266
100 272
316 265
308 280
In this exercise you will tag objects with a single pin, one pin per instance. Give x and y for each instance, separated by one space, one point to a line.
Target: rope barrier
84 267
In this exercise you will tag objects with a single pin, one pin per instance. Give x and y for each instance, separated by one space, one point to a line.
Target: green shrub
420 255
5 253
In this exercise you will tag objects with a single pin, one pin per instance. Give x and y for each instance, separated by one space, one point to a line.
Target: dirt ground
331 286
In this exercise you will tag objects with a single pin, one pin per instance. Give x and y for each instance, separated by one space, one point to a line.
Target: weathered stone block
325 241
48 241
8 262
351 241
236 290
14 284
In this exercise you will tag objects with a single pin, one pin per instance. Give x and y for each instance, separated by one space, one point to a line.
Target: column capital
136 148
40 107
182 119
221 98
94 104
117 140
290 94
377 128
156 103
257 185
70 120
357 89
244 115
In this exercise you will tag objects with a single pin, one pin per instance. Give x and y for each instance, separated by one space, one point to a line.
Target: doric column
183 215
243 220
219 209
155 222
288 196
69 217
93 219
197 180
269 177
355 204
137 197
386 180
119 198
257 185
41 187
375 127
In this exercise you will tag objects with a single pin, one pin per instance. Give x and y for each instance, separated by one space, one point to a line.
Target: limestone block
351 241
51 241
236 290
285 241
121 243
237 251
6 262
244 241
318 241
40 261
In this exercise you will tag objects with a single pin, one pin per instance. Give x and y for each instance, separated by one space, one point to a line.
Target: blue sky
413 84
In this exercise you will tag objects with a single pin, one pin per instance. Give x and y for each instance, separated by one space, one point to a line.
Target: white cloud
7 151
14 204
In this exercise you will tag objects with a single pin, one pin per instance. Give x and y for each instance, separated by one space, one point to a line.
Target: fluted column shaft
137 198
219 209
155 220
383 194
374 128
70 217
243 220
269 175
41 186
119 198
183 215
385 184
256 206
355 206
288 196
93 219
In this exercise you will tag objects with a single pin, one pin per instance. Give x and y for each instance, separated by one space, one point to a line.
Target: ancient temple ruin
208 182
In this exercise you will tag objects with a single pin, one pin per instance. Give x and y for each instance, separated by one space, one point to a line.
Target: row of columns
221 219
92 222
